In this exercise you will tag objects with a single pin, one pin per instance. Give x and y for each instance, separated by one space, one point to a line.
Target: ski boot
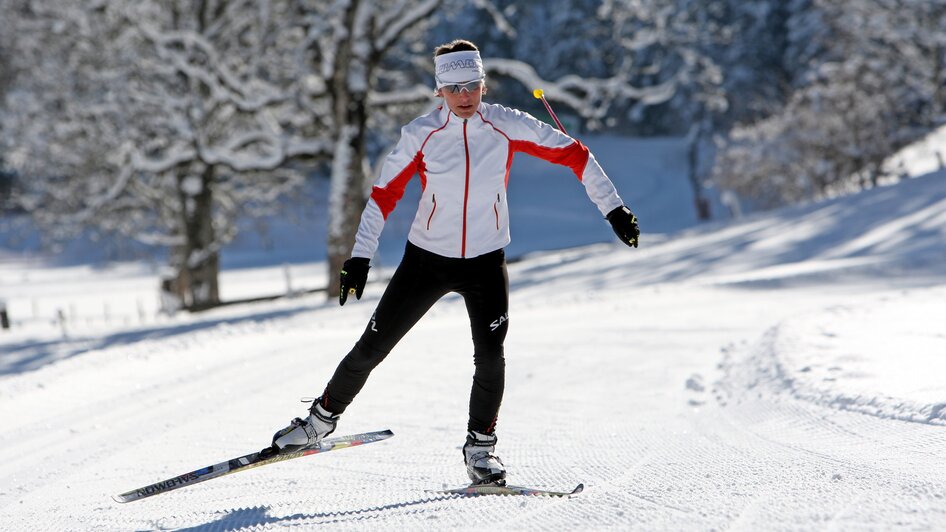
303 432
482 465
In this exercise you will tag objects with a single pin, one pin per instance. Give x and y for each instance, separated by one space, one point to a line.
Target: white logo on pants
496 323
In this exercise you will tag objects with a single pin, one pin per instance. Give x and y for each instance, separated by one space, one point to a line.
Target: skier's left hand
354 276
624 224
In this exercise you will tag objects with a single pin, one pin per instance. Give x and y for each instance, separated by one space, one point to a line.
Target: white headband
458 67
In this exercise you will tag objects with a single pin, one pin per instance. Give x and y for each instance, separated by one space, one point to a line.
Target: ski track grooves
858 458
107 422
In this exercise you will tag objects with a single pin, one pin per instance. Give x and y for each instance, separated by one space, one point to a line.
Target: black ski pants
420 280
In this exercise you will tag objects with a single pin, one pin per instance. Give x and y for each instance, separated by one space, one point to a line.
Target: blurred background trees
167 122
864 78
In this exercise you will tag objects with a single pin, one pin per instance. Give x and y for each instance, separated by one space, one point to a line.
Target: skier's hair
456 45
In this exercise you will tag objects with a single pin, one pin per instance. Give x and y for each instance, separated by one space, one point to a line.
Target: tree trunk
197 261
346 199
349 89
695 139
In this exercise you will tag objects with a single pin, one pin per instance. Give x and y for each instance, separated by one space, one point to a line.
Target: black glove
624 224
353 278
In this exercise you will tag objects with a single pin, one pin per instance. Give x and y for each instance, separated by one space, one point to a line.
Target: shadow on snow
259 516
30 355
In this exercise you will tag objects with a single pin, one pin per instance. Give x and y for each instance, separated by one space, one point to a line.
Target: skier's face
463 100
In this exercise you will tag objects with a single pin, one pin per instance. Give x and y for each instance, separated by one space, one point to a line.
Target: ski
249 461
501 489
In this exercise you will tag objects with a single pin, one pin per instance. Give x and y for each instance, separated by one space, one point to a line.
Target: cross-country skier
462 152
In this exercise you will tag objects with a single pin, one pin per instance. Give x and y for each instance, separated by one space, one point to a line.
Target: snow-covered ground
783 371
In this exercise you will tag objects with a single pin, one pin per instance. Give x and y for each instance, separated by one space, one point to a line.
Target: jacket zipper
496 210
432 211
466 189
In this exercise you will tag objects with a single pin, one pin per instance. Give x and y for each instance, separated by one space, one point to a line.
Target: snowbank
885 358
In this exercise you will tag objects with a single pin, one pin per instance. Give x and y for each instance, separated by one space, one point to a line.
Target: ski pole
540 95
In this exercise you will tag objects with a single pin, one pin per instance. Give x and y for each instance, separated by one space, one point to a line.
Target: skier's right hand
354 276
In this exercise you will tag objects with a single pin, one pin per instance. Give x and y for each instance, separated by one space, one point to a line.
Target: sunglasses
470 86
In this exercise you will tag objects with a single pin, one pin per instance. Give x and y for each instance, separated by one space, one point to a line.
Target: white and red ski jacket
464 170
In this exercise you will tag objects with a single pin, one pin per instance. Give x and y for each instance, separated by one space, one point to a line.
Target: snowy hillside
781 372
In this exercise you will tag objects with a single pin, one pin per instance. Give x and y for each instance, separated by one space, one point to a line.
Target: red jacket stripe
387 196
574 156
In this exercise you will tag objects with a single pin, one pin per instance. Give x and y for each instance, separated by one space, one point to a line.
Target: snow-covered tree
50 127
231 112
161 121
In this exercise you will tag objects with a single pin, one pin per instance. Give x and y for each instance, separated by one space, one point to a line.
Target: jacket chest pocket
433 209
